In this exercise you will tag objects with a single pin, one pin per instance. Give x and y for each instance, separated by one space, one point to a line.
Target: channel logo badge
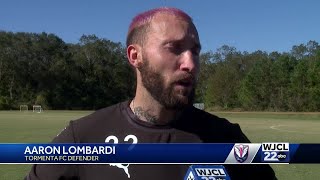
206 172
275 152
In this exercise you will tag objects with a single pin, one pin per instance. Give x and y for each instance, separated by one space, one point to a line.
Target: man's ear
134 55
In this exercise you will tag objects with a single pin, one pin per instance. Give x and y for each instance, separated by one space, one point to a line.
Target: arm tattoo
142 114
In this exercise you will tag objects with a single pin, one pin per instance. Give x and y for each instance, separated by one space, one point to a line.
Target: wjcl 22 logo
275 152
206 172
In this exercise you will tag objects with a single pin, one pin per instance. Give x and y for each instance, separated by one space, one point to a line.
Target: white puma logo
121 166
115 141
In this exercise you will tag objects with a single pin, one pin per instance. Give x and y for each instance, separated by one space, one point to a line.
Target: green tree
256 87
224 81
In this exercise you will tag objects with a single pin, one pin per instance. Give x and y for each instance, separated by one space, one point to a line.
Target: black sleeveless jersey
118 124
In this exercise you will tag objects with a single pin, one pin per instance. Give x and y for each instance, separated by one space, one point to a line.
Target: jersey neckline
134 119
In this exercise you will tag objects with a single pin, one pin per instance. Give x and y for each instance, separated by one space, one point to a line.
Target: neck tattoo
144 114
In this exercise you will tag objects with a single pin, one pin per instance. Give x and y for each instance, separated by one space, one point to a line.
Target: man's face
170 61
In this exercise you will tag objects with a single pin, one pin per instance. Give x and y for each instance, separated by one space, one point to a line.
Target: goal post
37 108
23 107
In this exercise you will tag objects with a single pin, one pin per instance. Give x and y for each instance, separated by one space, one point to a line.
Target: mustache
185 78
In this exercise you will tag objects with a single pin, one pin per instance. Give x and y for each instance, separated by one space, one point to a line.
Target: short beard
154 82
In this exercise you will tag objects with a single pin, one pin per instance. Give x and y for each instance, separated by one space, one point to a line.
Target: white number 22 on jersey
126 139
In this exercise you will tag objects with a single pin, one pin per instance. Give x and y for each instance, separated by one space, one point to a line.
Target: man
163 47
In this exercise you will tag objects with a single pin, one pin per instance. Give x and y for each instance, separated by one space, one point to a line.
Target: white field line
277 127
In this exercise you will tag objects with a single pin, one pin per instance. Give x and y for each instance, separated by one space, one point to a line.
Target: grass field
28 127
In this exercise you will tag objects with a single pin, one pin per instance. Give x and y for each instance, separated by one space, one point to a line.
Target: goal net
37 109
23 108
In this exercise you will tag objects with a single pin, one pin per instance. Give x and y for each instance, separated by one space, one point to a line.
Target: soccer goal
23 108
37 109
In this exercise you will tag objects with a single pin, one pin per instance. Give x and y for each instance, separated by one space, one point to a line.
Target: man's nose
189 62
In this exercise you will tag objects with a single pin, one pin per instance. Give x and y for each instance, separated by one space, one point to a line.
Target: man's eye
195 51
176 49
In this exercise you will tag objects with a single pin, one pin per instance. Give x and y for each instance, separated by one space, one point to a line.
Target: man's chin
182 91
178 102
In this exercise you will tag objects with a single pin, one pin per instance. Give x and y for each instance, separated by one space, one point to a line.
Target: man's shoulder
211 128
101 114
199 116
97 123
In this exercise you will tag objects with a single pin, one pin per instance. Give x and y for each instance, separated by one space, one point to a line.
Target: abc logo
281 156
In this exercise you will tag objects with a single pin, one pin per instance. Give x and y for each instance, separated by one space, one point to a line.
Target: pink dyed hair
145 17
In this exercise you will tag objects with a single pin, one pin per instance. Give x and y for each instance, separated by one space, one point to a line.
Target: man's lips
185 82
